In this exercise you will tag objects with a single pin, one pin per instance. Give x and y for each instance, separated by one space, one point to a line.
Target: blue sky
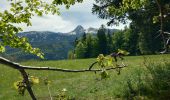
78 14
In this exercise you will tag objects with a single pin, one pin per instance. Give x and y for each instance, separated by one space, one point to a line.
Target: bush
159 79
151 82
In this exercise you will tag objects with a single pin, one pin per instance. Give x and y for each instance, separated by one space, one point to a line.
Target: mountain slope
53 45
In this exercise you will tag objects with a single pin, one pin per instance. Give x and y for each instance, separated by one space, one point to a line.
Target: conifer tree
102 40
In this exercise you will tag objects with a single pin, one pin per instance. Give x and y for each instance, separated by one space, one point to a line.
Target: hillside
53 45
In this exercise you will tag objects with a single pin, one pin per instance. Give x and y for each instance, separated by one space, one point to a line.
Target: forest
140 38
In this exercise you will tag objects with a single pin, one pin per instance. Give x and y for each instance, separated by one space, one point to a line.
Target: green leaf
2 48
104 75
123 52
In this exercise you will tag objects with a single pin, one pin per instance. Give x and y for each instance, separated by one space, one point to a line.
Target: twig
49 92
92 65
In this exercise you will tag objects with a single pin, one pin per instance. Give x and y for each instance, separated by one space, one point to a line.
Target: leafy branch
26 81
22 67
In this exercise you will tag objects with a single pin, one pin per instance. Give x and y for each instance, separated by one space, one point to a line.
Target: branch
167 33
21 67
92 65
28 86
162 23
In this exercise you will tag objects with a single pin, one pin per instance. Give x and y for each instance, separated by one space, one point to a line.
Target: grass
80 86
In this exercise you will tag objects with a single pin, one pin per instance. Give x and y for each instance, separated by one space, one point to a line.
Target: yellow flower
34 79
64 90
16 84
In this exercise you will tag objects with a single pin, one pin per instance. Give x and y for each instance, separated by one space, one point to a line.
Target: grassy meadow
144 78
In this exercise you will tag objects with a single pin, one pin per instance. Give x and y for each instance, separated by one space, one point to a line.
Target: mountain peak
79 28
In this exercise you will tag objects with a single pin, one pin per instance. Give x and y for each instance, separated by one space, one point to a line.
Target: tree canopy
143 13
120 10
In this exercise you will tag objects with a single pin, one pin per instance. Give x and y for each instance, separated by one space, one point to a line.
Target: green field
87 86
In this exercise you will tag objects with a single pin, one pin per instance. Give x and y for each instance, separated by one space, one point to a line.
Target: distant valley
54 45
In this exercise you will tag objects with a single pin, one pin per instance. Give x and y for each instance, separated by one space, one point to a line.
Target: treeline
129 39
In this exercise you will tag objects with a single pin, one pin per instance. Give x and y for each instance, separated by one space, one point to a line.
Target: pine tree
89 48
131 40
76 42
109 43
102 40
80 50
84 37
118 40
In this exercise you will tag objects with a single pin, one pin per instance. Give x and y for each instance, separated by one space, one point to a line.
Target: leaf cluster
21 86
120 10
107 61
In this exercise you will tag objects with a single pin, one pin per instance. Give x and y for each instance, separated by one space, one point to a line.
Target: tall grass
150 83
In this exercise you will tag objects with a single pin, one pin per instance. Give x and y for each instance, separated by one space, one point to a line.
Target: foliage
21 85
62 95
107 61
118 40
102 62
131 41
71 55
46 81
80 50
102 40
96 44
67 3
159 76
91 46
151 82
88 47
116 10
109 43
146 16
119 11
94 47
124 52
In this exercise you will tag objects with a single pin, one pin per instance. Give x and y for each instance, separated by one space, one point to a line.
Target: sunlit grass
81 86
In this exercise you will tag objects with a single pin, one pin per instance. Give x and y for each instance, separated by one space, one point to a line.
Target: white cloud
50 23
99 22
85 6
78 14
81 14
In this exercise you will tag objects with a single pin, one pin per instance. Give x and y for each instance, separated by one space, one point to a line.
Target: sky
78 14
